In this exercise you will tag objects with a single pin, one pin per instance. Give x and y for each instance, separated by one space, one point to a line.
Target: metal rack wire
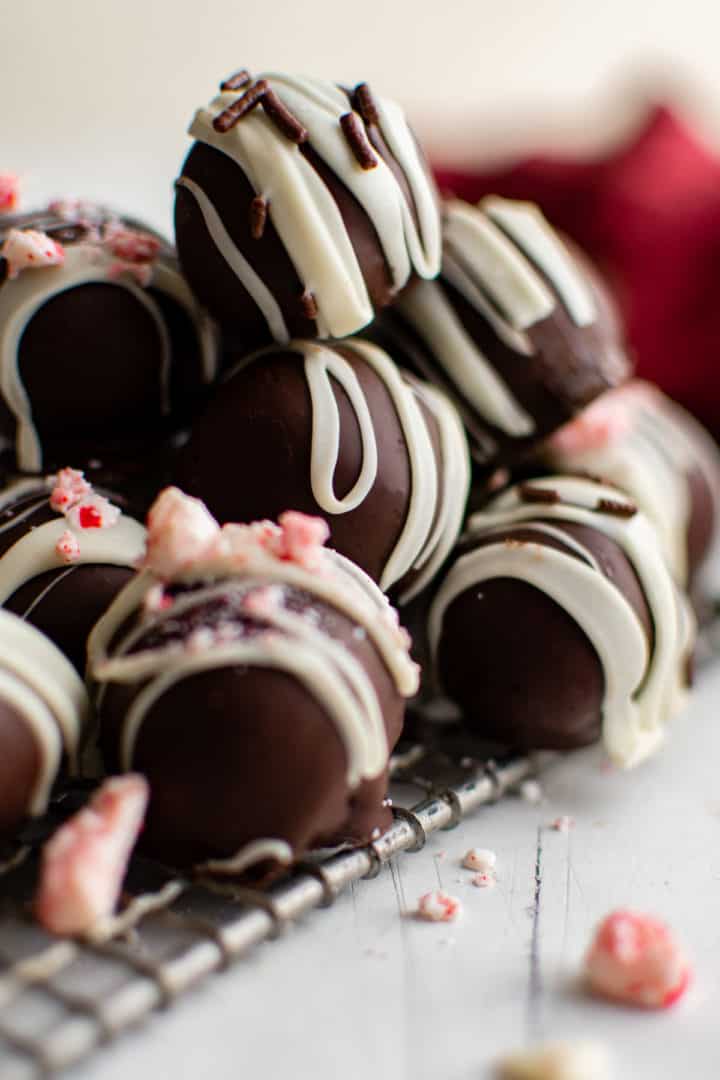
60 999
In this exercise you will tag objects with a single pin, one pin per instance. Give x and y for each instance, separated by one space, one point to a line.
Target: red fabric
649 213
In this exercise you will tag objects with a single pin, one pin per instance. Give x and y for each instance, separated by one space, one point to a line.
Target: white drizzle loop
304 211
641 693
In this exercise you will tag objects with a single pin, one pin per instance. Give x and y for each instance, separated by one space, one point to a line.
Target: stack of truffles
307 399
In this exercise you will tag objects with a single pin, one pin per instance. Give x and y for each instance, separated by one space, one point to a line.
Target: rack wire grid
62 999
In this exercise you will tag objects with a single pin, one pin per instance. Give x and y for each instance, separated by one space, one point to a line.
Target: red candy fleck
68 547
89 518
438 906
9 192
84 862
635 959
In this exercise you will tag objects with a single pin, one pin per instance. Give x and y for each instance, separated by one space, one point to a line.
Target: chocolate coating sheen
278 237
113 354
264 436
242 751
19 766
518 329
521 668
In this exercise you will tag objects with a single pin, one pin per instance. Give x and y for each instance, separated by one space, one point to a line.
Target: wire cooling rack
61 999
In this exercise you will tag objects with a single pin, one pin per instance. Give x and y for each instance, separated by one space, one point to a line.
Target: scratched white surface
364 990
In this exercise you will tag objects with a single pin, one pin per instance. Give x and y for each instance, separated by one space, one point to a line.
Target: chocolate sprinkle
237 81
309 305
357 141
364 103
229 117
283 119
619 509
532 494
258 217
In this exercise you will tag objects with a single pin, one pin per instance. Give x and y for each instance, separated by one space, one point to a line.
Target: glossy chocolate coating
238 753
19 766
520 667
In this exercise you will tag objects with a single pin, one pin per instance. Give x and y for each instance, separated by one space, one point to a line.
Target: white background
95 95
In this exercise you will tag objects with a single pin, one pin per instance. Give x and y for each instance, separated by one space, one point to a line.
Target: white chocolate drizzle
504 259
36 551
88 262
44 688
642 692
304 211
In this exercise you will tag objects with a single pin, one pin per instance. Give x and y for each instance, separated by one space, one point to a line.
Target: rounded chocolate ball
558 622
337 431
61 573
103 349
302 208
518 328
261 702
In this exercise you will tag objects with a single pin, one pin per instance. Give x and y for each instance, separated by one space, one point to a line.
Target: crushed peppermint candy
68 547
484 880
563 823
182 533
28 249
438 906
156 599
263 601
70 487
135 252
84 862
78 210
9 192
94 512
480 859
635 959
556 1061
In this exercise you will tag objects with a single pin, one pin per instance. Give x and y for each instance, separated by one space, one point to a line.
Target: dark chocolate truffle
302 208
65 551
518 329
103 349
641 441
340 432
257 680
43 705
559 622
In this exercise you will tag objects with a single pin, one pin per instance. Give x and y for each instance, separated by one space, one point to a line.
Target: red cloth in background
649 214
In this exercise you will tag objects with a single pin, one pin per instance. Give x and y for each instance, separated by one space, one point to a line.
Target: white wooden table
364 990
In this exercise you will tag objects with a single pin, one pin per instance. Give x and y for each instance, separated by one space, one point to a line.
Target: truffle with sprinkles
65 551
303 207
257 679
103 348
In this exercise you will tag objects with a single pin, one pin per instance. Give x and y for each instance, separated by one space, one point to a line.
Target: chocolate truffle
340 432
65 551
518 329
43 705
103 349
257 680
302 208
559 622
646 444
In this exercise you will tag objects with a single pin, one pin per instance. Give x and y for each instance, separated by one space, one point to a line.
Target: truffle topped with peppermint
257 679
303 207
103 348
65 550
